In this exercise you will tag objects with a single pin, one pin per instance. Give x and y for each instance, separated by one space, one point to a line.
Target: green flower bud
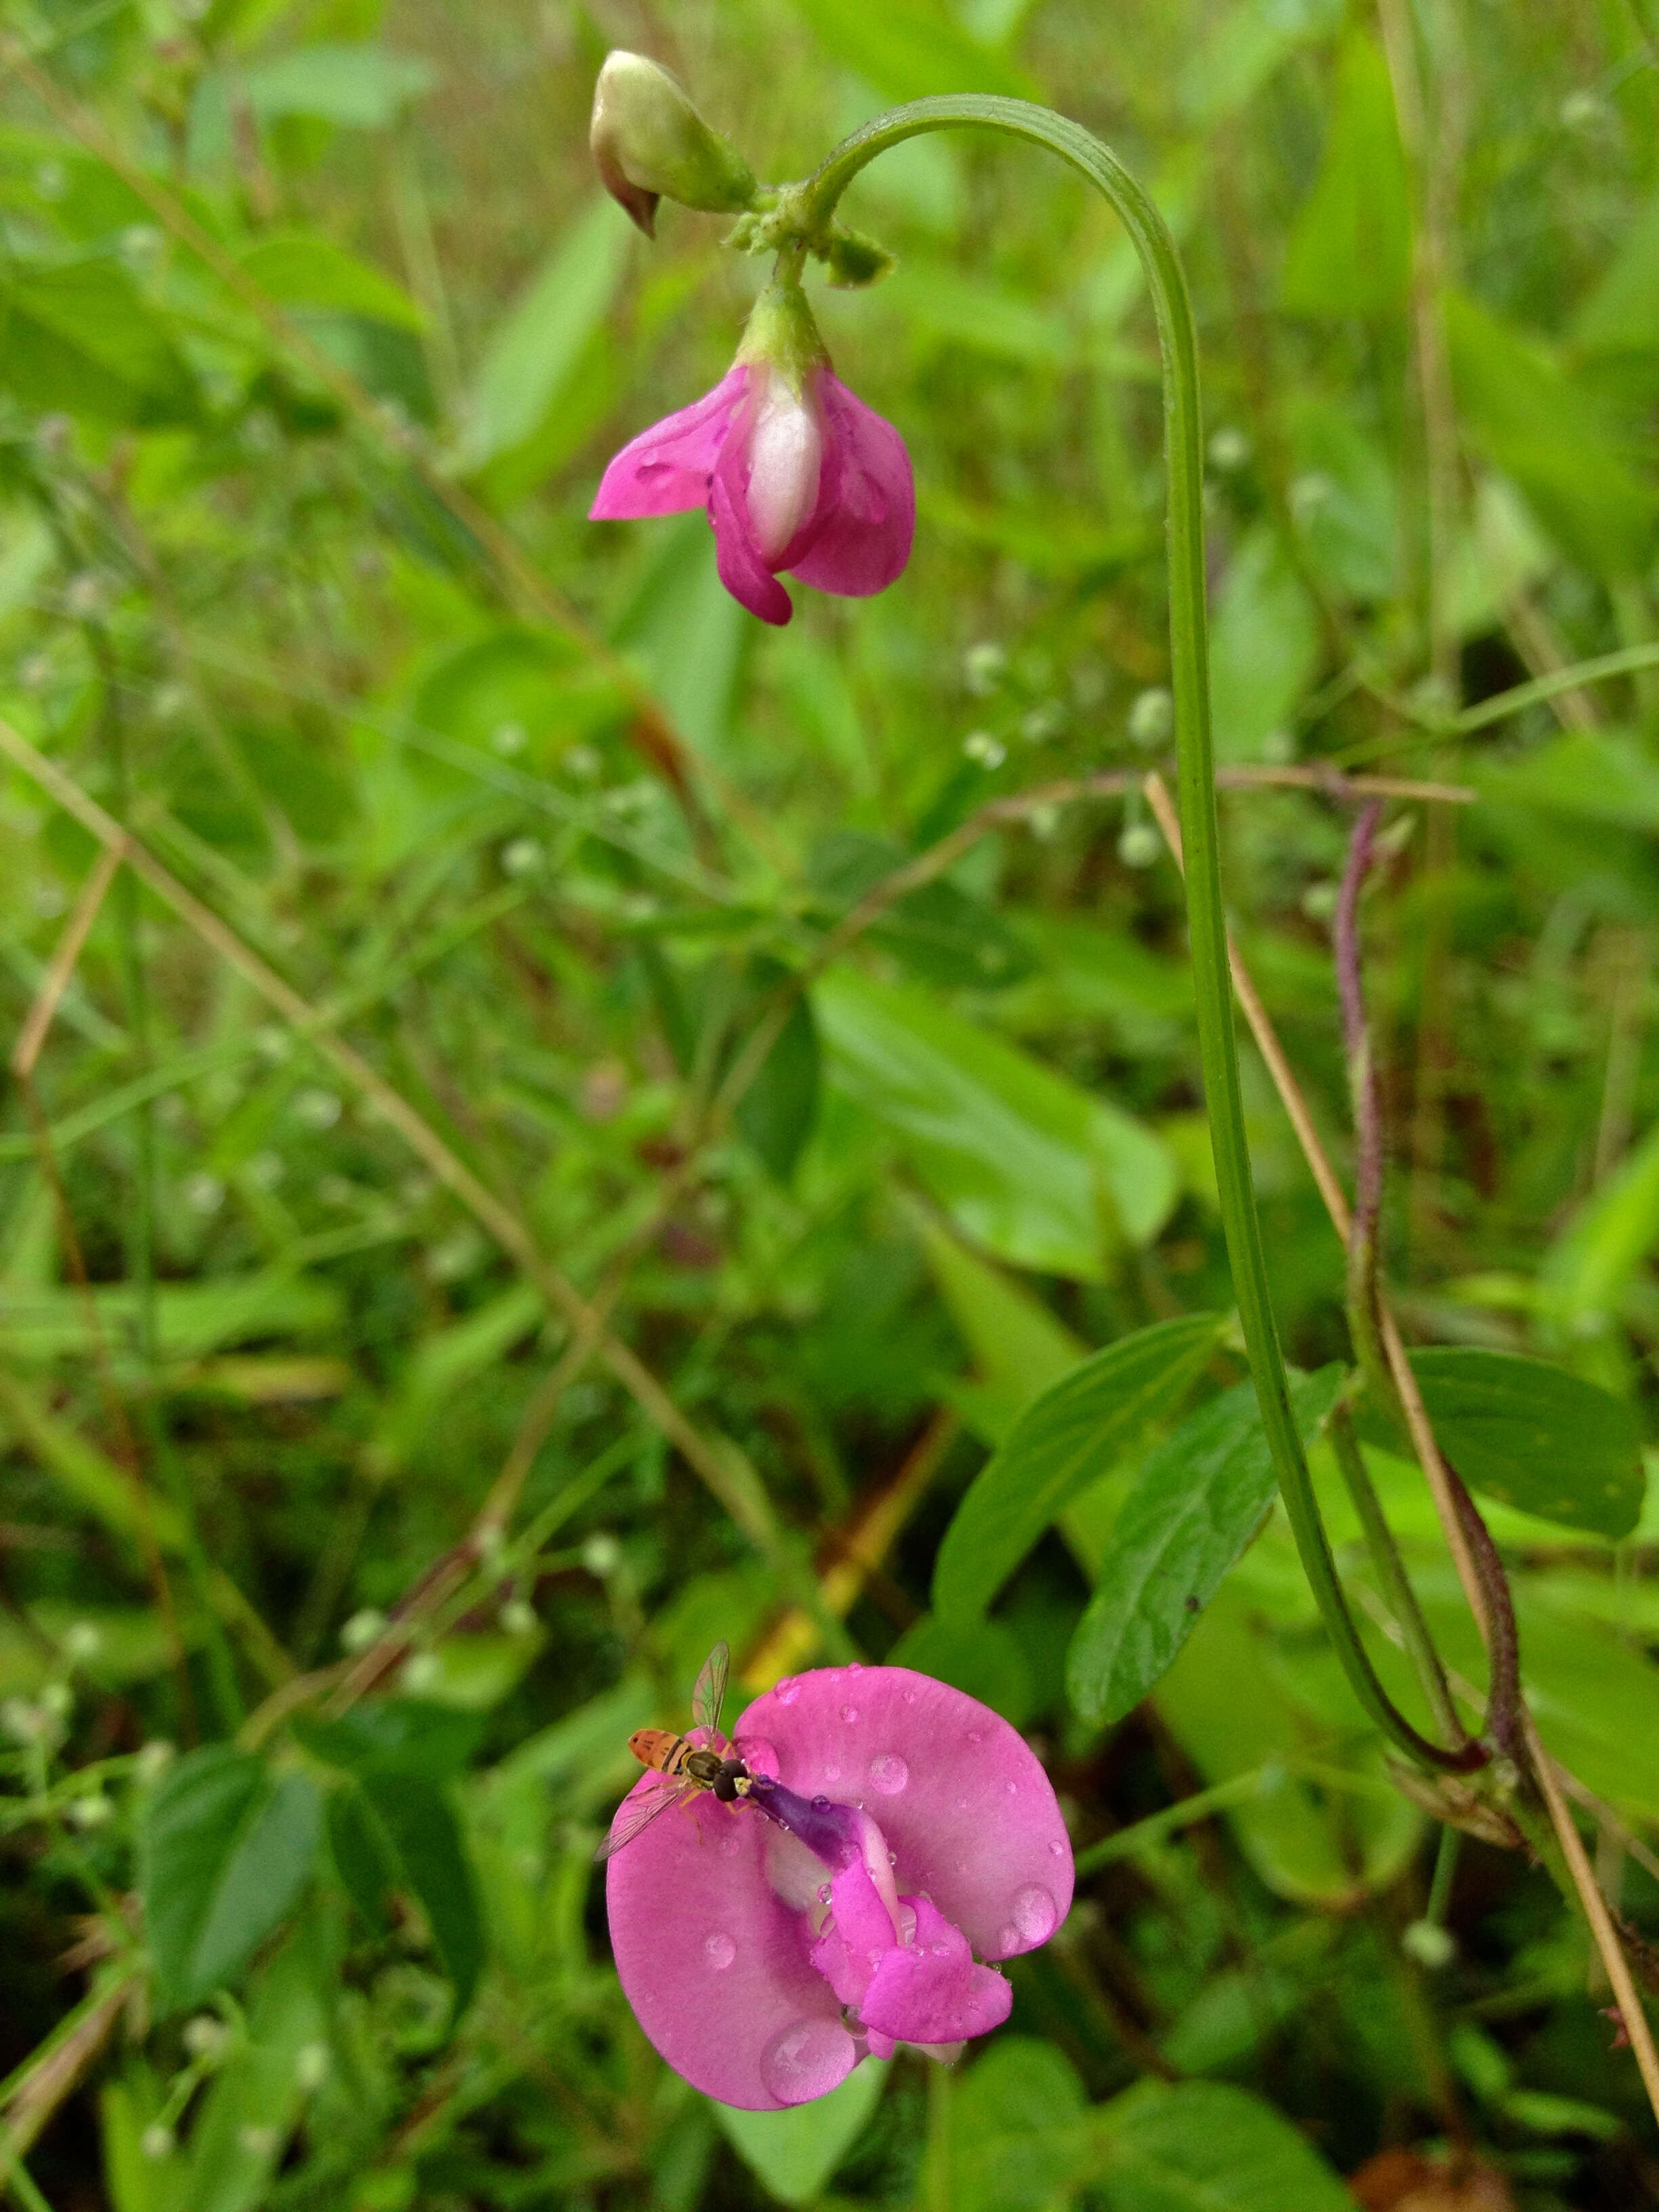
650 143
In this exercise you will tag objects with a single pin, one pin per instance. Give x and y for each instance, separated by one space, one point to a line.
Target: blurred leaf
776 1112
1028 1164
1196 1502
1350 248
909 48
396 1735
1243 50
1018 1347
302 271
364 87
938 932
1018 2130
1534 1437
1594 776
1312 1843
1592 1262
982 1657
688 636
794 2154
78 339
446 1359
535 349
1207 2147
1548 434
1075 1431
1621 311
423 1838
225 1850
249 2109
1264 646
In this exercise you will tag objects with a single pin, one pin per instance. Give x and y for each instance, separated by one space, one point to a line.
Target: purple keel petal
960 1797
859 538
929 1990
667 468
715 1964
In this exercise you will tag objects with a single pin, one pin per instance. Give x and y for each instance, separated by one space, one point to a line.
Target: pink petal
962 1800
742 570
715 1965
929 1990
860 1932
860 536
667 468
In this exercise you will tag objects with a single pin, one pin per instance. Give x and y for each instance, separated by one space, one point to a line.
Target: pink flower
896 1829
797 473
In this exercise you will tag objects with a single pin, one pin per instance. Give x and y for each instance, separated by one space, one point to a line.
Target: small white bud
206 2036
519 1618
82 1640
1151 718
362 1629
311 2067
980 746
1429 1944
601 1554
92 1811
157 2142
1139 845
422 1672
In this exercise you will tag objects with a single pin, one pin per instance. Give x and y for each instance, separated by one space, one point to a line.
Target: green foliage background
523 1154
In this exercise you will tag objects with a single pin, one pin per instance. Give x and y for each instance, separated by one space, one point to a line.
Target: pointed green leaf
1206 2147
1350 251
1073 1432
225 1849
1196 1502
794 2152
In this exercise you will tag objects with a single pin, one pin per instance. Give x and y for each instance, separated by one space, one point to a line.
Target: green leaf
1621 313
79 338
1263 648
1590 775
688 636
225 1850
424 1838
1196 1502
1018 1347
1206 2147
1548 433
301 272
1019 2135
364 87
794 2154
1028 1164
535 350
1592 1262
1247 46
1076 1431
1350 249
396 1735
1534 1437
939 932
982 1657
776 1112
909 48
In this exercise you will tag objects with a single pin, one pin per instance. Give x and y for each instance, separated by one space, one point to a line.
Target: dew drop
1007 1940
807 2060
831 1773
887 1773
975 1735
849 1713
1034 1913
1056 1850
907 1923
787 1693
855 1665
909 1697
824 1893
822 1804
719 1951
759 1757
1012 1788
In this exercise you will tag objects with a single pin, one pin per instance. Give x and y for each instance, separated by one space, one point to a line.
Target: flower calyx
650 144
781 221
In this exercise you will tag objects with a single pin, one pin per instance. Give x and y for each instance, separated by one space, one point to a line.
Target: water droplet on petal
909 1697
1012 1789
759 1757
849 1712
1034 1913
720 1951
975 1735
887 1773
787 1692
822 1804
831 1773
824 1893
907 1923
855 1666
1056 1850
807 2060
1007 1940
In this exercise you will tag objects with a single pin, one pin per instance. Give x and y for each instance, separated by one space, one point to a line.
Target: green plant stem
1445 1870
1400 1597
1190 684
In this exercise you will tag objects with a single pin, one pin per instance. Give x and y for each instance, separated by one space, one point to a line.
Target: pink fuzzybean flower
896 1833
797 473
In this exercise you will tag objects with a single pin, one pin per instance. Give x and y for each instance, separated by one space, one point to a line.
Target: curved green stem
1190 684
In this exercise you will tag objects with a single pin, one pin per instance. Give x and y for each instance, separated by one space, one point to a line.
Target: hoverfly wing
635 1814
709 1693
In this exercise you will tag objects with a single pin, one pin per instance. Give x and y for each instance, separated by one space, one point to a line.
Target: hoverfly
683 1770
